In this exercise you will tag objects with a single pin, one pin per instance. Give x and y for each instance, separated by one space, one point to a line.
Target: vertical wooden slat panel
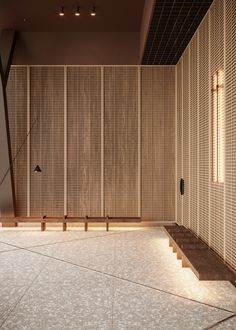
121 141
194 133
179 139
17 111
169 144
158 129
84 141
230 170
217 63
47 137
204 127
147 143
153 144
186 138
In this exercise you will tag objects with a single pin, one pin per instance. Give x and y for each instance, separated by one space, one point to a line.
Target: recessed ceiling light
77 13
61 13
93 12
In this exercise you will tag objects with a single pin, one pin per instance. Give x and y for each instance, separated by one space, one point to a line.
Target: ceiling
173 24
42 15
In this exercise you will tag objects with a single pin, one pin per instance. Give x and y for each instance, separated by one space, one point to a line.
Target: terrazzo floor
121 279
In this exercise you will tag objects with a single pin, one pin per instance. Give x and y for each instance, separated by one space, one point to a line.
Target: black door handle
181 186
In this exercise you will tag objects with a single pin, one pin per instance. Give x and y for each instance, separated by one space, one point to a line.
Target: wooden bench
194 253
65 220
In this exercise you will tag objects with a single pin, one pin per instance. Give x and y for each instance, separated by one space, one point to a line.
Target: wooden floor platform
44 220
195 254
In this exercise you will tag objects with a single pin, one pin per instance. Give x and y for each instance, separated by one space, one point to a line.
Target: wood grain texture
186 137
179 139
204 125
17 112
46 142
169 143
84 141
158 146
121 141
217 190
85 137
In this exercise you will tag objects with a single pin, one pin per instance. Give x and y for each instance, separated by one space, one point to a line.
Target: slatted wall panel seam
17 112
46 143
186 135
194 133
84 141
180 142
230 170
204 126
217 63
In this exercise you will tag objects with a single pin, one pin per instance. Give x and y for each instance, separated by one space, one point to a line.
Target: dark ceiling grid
169 40
173 24
166 26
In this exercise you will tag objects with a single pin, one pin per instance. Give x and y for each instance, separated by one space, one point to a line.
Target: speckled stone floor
124 279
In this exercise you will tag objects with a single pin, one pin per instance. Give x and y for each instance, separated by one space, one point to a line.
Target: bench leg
170 243
43 226
64 226
107 226
86 226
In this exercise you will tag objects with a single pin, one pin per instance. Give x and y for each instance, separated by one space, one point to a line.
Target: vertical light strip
65 140
139 143
189 140
210 130
198 132
28 141
224 111
176 147
182 138
102 143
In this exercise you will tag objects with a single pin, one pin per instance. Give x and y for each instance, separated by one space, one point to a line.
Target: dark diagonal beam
7 191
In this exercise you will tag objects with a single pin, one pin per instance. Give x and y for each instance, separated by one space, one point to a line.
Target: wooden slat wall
17 110
217 63
84 141
158 149
169 143
230 170
47 140
121 141
204 127
99 152
213 210
186 136
193 183
179 217
153 143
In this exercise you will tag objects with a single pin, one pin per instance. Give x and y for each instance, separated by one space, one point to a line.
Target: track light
61 13
93 12
37 169
77 13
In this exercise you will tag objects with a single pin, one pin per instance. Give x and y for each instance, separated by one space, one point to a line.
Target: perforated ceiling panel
172 27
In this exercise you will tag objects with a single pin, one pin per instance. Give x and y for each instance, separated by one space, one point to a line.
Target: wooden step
203 261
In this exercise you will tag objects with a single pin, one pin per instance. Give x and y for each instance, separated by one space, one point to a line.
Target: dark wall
77 48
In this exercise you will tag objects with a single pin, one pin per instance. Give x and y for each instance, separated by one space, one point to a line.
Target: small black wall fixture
181 186
37 169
